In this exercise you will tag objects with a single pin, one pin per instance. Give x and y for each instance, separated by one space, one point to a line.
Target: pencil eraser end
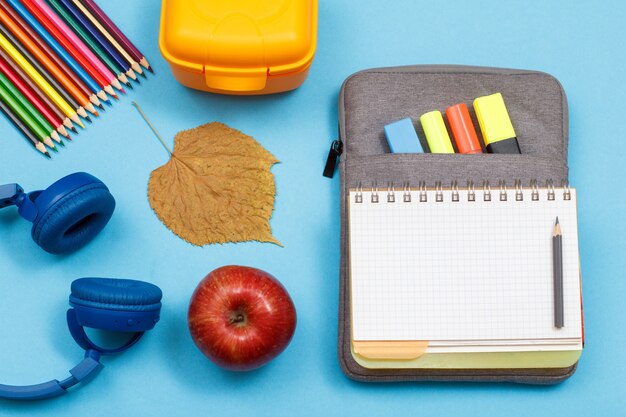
402 138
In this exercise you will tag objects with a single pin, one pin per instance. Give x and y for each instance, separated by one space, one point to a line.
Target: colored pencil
77 43
97 37
19 125
44 73
44 38
134 65
117 34
33 98
28 121
75 53
27 35
69 19
29 108
43 84
59 58
35 88
67 83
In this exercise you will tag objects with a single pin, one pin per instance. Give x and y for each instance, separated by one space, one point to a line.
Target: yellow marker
436 132
38 79
496 125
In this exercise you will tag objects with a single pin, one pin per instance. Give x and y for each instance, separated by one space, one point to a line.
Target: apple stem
238 318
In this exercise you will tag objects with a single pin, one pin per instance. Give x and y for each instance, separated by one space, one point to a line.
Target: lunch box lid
240 41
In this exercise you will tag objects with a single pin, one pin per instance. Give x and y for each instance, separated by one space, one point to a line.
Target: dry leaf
216 188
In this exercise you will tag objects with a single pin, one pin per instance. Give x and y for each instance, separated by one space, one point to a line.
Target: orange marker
463 129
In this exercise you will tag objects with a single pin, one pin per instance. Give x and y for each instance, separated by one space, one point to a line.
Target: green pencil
19 125
25 117
91 44
29 108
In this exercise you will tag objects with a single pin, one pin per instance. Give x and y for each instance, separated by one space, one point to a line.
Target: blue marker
43 33
402 137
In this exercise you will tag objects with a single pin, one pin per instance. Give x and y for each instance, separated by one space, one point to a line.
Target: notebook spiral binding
500 191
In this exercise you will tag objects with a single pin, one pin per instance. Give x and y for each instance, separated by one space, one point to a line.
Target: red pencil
76 41
53 56
42 96
47 24
32 97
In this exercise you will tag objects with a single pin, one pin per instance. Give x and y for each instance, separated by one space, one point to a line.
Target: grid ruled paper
461 271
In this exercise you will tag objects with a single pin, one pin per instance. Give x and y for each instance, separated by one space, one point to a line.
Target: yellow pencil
39 80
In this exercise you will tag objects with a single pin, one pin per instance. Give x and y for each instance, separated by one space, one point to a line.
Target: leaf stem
152 127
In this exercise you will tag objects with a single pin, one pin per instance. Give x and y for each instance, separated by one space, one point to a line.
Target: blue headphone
65 216
119 305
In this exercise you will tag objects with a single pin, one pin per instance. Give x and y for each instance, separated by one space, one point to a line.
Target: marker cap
495 124
463 129
436 132
402 137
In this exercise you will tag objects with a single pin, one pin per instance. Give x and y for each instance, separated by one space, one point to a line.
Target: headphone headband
14 195
83 372
80 336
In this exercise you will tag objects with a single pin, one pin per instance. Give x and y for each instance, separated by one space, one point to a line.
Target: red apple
241 317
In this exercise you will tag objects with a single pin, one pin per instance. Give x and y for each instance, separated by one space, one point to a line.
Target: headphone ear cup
116 304
74 220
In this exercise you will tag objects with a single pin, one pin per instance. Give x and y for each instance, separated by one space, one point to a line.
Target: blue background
581 43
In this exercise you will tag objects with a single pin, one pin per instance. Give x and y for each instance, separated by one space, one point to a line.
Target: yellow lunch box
239 47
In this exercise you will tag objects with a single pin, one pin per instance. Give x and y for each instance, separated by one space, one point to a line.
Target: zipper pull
336 149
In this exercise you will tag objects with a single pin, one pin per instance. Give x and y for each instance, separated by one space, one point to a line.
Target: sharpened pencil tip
123 91
88 119
129 85
61 143
150 69
41 147
143 74
101 107
54 149
115 97
73 129
47 155
557 220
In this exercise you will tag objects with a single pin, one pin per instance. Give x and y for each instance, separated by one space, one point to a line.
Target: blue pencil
64 55
99 39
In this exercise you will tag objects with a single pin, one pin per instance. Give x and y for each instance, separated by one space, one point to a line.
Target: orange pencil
39 54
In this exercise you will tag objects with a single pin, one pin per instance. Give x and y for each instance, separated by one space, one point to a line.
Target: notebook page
461 271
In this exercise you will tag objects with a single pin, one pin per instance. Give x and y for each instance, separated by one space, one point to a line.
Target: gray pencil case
373 98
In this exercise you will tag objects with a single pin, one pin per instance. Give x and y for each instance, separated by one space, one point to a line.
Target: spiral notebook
461 270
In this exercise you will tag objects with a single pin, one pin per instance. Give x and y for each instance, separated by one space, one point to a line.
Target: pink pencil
118 34
77 43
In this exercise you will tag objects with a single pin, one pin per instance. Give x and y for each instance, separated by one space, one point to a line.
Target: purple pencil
117 34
